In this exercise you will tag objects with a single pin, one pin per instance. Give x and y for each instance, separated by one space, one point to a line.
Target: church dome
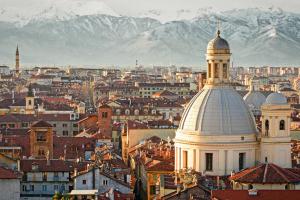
217 111
218 44
254 99
276 99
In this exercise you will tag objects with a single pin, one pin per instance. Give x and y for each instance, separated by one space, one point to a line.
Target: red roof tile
266 173
7 174
261 194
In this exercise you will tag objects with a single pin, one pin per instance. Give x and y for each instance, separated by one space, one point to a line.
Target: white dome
217 111
254 99
276 99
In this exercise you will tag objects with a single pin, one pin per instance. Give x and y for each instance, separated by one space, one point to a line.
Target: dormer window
34 166
136 112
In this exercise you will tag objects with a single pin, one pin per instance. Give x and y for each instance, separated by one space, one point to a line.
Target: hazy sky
131 7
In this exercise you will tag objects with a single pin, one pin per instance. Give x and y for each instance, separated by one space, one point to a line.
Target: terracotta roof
261 194
75 146
164 93
41 124
266 173
161 166
7 174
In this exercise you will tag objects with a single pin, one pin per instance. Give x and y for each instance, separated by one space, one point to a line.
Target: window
44 176
75 125
241 161
225 70
104 114
209 161
3 125
55 174
29 102
281 125
75 132
209 70
216 72
65 133
65 125
56 187
24 188
44 188
83 182
250 187
31 187
24 125
105 182
54 125
41 136
185 159
11 125
267 127
152 189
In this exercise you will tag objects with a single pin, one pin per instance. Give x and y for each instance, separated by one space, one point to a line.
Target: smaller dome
254 99
218 44
276 99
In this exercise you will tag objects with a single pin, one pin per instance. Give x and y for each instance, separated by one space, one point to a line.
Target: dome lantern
218 60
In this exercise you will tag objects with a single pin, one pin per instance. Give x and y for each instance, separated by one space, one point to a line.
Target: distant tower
17 62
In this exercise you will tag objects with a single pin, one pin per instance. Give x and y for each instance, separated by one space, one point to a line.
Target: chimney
75 171
13 96
18 165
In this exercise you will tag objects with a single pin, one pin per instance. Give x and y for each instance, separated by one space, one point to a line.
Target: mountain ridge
256 37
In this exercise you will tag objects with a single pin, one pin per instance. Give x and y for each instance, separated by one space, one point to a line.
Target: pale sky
132 7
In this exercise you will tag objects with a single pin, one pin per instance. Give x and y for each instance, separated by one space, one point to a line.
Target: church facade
217 134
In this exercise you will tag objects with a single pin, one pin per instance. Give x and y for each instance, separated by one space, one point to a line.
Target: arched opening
281 125
267 127
250 187
225 70
209 70
216 71
29 102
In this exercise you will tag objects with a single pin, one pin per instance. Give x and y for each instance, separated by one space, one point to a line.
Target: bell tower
275 135
17 62
41 140
29 107
218 61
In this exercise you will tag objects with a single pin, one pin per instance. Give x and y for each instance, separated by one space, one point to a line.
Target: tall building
17 62
217 134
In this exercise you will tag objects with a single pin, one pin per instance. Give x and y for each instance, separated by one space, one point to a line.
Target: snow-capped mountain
54 10
256 37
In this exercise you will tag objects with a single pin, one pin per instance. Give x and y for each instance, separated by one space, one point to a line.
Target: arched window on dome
281 125
267 127
209 70
225 70
216 71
